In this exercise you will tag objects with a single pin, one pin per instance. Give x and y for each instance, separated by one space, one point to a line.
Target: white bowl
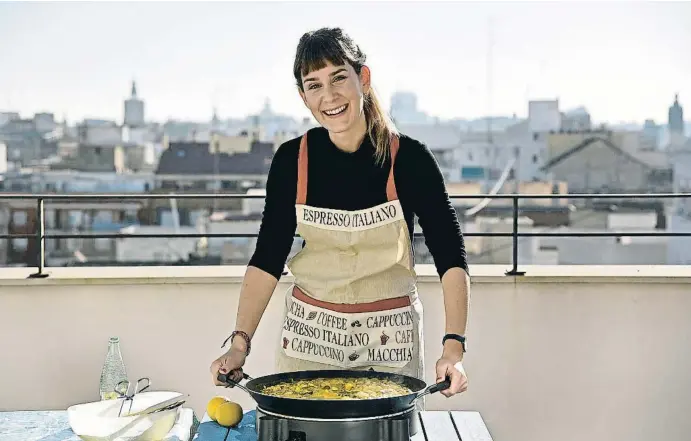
99 421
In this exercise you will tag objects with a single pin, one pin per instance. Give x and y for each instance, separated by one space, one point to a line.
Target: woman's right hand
232 361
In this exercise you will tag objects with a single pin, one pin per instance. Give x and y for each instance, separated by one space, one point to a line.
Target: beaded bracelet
244 336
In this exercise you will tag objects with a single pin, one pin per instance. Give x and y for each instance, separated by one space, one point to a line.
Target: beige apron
354 304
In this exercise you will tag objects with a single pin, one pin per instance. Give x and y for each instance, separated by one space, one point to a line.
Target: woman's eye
339 78
313 86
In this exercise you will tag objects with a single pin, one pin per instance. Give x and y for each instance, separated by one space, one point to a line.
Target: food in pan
337 389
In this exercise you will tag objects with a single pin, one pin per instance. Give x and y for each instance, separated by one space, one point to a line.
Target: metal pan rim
255 383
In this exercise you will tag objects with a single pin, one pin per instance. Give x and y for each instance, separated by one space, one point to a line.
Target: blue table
211 431
436 426
36 426
40 426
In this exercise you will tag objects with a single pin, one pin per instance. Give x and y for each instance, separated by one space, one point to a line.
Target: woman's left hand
450 367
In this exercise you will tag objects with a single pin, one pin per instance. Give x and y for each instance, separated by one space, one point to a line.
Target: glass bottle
113 370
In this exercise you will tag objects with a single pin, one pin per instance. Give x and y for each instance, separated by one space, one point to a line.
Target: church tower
134 109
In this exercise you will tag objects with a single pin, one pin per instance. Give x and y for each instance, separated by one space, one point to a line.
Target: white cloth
183 426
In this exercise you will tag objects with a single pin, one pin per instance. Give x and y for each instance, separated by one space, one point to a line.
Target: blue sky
623 61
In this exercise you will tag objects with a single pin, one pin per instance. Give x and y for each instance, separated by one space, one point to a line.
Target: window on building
19 218
104 217
20 244
535 158
131 215
75 218
50 218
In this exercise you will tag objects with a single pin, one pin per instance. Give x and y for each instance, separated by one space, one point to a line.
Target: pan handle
225 378
442 385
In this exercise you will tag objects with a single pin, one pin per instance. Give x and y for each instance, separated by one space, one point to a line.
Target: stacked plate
151 416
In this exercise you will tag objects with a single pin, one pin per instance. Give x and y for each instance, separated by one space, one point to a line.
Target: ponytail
380 128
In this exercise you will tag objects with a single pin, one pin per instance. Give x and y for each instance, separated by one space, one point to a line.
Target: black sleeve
278 220
424 183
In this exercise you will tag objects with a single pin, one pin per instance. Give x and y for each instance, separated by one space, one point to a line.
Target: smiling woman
335 85
352 189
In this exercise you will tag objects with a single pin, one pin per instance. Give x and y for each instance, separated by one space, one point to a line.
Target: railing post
514 270
40 241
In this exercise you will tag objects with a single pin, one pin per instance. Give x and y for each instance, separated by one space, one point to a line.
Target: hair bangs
315 52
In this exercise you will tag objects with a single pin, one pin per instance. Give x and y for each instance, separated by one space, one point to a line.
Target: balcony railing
40 236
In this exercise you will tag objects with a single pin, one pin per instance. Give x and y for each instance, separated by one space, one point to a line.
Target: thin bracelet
244 336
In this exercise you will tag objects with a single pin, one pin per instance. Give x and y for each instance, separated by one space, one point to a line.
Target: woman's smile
336 112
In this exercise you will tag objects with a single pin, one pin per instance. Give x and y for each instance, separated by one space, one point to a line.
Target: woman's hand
231 361
449 366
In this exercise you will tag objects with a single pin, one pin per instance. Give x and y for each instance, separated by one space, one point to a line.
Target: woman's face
335 96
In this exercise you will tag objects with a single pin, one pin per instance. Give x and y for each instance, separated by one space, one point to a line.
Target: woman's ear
365 79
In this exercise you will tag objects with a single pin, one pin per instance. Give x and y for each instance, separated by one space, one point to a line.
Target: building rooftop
195 158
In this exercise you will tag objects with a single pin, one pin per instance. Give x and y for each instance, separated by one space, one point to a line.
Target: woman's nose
329 93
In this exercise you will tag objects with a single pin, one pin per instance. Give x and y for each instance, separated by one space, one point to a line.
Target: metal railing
41 237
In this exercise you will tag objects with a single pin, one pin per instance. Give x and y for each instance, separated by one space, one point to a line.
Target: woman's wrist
453 349
454 345
240 341
239 344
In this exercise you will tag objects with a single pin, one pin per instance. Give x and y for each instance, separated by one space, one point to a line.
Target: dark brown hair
335 46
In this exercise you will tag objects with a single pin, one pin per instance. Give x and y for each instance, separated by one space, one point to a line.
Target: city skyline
538 51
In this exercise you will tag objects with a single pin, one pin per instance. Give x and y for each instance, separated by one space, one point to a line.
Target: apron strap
302 172
301 198
391 193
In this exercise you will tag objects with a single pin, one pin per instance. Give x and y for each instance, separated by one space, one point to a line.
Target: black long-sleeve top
354 181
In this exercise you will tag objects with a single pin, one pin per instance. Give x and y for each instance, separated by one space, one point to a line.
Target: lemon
213 405
229 414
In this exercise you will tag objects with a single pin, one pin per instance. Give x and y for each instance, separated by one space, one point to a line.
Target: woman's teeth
336 111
